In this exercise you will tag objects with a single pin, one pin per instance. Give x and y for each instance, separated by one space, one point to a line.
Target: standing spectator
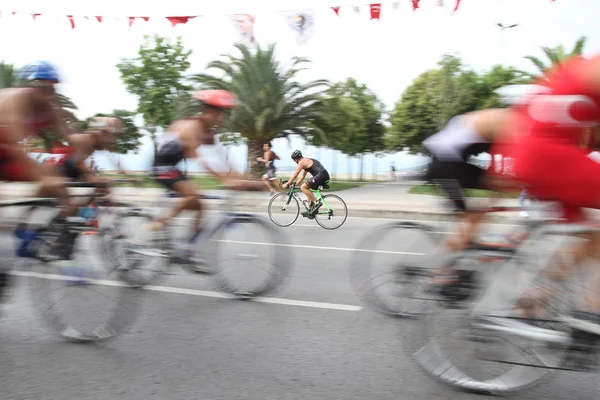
393 172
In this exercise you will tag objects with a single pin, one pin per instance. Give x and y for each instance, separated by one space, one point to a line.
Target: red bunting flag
99 19
178 20
375 11
72 21
415 4
456 5
131 19
336 10
35 15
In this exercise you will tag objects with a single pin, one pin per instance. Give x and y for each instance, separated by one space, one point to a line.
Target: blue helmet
41 70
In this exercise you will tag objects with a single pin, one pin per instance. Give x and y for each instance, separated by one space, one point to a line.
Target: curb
9 225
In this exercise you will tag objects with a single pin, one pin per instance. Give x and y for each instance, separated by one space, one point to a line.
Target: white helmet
513 95
110 124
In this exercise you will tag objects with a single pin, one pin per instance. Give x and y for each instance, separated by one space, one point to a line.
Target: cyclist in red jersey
550 161
24 112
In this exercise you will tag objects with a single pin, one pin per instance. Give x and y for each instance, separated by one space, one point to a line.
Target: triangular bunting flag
99 19
35 15
415 4
179 20
336 10
375 11
456 5
72 21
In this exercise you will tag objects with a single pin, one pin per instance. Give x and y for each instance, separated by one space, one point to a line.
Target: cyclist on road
25 111
549 160
270 177
181 141
320 177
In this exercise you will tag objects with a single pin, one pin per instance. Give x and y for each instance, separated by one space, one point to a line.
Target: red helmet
217 98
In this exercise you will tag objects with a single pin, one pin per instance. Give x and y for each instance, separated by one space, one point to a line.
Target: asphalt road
195 345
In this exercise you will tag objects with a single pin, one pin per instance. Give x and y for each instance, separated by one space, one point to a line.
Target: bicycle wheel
390 265
492 346
283 212
333 210
97 307
136 254
249 256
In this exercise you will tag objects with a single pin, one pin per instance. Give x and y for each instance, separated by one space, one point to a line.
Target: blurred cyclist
182 140
30 110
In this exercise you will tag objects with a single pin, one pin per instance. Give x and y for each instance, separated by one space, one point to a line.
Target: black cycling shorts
69 170
319 179
453 177
167 175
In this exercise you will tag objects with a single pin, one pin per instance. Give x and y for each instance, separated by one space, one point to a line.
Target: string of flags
300 21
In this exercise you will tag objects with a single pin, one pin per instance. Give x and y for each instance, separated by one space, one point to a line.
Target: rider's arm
298 170
82 150
19 130
60 123
302 176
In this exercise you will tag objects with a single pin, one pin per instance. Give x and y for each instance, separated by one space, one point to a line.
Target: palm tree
273 103
556 56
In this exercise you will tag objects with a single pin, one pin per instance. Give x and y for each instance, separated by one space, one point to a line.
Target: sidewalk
376 200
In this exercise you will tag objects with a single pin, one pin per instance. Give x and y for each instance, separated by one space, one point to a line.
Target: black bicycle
229 245
70 255
284 208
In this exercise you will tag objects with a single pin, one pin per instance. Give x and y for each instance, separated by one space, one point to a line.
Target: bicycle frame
293 193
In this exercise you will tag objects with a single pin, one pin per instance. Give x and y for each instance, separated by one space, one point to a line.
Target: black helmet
296 155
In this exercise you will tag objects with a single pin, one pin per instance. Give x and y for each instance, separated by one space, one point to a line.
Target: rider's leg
309 195
189 201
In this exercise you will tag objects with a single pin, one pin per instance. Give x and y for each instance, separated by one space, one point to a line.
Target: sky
386 54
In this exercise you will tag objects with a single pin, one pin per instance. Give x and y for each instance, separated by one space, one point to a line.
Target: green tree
439 94
273 103
157 77
366 135
555 56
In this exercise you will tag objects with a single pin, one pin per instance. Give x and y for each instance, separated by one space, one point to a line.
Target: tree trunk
255 168
375 167
349 168
333 168
362 165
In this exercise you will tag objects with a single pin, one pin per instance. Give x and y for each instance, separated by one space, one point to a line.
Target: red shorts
559 172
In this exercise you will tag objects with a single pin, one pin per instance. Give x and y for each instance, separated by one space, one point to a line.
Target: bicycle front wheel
283 211
333 213
249 256
77 296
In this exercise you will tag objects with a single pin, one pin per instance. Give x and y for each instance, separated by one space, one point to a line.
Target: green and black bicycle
284 208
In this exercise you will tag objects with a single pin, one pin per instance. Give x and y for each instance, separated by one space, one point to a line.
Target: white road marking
304 246
203 293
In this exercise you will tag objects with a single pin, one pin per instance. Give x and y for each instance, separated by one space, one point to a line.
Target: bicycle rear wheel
137 255
282 212
333 213
390 266
96 307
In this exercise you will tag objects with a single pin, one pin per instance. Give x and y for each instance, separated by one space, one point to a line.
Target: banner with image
302 23
244 25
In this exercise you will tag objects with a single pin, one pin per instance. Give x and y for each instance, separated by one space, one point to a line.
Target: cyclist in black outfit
320 177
